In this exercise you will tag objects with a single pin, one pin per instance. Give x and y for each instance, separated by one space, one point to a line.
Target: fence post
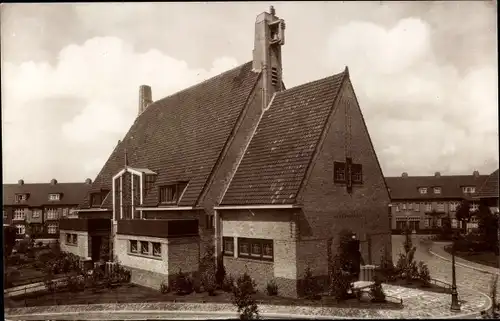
25 288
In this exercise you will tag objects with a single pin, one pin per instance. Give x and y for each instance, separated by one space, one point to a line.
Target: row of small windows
437 190
145 248
51 213
51 229
440 207
24 197
258 249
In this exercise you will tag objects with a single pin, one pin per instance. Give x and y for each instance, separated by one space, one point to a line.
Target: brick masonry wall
147 278
264 224
81 249
183 254
328 208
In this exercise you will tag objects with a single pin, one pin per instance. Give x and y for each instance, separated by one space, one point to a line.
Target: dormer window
468 189
96 199
422 190
21 198
171 194
437 190
54 197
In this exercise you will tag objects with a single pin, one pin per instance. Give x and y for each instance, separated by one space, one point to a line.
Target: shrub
387 269
272 288
220 274
228 284
242 298
208 270
197 282
310 286
209 281
376 291
23 246
12 275
339 280
424 274
14 259
75 283
182 284
406 266
164 288
39 244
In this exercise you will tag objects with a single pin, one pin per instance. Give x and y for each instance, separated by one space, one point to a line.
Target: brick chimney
405 174
20 182
475 174
269 37
53 181
437 174
145 98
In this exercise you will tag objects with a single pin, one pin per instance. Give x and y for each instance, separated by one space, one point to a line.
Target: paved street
441 269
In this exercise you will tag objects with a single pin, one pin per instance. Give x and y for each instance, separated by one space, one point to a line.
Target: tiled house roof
181 137
451 186
71 193
277 158
490 187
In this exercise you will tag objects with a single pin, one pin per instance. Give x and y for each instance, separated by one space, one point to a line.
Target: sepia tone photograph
250 160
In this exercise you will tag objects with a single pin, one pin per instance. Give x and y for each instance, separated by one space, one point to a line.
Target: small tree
207 266
339 280
488 227
242 298
406 265
220 274
9 234
424 274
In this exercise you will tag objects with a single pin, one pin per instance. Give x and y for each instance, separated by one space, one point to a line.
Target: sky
425 74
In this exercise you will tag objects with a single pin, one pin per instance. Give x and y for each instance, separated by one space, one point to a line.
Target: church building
267 174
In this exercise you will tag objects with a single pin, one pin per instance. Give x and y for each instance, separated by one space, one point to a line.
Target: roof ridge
200 83
343 73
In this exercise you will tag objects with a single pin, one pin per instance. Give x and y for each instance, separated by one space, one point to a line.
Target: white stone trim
256 207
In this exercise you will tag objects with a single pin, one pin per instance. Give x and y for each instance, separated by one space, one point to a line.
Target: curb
462 264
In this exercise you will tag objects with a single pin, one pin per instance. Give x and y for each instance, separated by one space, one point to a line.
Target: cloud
103 75
423 115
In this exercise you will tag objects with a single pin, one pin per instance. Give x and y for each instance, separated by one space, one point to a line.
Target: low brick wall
146 278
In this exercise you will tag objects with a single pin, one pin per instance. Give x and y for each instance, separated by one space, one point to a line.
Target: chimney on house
20 182
145 98
437 174
405 174
475 174
53 181
269 37
88 181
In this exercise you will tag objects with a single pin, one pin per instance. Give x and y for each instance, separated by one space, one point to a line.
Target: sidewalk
418 303
437 249
28 288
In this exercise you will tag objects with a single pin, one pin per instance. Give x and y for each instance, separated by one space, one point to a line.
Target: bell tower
269 37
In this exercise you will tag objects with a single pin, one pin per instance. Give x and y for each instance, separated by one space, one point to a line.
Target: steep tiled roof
277 158
490 187
451 186
180 137
72 193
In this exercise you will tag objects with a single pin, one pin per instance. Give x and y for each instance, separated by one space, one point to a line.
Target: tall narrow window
338 172
357 173
133 246
170 194
228 246
144 247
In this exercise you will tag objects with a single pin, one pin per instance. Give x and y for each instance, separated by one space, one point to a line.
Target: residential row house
422 202
488 193
268 175
36 208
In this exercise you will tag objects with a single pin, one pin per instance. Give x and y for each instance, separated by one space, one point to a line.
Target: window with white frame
428 207
439 222
4 215
19 214
422 190
416 207
133 246
427 222
54 197
410 206
20 229
51 213
258 249
468 189
209 222
454 206
440 207
65 211
474 207
228 245
454 223
437 190
397 207
144 247
403 206
37 213
21 198
71 239
72 211
52 228
156 249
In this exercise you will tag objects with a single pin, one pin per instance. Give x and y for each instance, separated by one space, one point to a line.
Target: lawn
484 258
130 293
